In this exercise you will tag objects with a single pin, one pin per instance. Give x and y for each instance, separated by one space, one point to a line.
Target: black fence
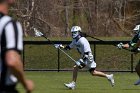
94 44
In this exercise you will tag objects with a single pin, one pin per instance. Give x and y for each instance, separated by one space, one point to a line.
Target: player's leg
99 73
72 84
137 68
75 73
92 66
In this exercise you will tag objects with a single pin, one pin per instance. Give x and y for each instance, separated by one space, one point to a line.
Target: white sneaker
137 82
111 79
70 85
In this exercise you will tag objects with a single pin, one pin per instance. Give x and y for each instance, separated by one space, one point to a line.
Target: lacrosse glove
120 45
61 46
67 47
80 63
58 46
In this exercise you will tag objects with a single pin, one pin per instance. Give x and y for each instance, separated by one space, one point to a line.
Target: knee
75 67
92 71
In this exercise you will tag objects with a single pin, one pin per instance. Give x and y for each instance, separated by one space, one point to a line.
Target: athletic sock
73 82
107 76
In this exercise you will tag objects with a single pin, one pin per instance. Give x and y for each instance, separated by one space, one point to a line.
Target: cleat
137 82
70 85
111 79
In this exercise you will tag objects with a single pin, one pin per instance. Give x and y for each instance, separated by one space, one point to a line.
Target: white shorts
89 61
90 64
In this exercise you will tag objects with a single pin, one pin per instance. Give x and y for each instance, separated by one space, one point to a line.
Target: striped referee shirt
11 38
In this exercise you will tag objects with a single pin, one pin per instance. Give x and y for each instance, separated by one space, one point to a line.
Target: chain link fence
43 56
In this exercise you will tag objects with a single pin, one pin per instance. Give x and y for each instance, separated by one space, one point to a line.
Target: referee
11 45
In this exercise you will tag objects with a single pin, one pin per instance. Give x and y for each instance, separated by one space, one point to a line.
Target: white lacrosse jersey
11 38
82 45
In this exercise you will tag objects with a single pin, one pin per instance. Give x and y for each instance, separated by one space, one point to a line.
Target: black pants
8 89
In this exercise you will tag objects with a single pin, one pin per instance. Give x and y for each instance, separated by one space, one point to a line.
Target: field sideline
52 82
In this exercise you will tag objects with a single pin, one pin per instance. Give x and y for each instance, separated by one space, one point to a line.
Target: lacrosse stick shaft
96 38
104 41
47 39
60 49
41 34
67 54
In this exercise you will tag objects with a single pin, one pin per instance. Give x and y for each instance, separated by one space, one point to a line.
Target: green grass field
52 82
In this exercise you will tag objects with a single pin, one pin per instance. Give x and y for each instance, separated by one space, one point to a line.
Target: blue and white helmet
136 29
75 30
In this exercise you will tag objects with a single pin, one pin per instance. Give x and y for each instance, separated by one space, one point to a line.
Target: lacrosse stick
101 40
59 46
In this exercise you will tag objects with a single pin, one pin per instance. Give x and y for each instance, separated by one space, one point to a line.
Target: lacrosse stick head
37 32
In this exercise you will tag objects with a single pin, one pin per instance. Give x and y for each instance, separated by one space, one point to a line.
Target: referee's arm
14 45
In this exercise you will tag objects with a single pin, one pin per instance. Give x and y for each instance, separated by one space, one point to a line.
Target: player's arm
14 46
70 46
129 45
136 47
137 44
125 45
13 61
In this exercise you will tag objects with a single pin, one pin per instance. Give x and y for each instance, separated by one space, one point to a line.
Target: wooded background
96 17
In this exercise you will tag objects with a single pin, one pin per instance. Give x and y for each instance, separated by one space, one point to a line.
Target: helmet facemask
75 34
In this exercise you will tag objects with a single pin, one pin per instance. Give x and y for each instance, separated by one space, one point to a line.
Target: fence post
94 52
23 56
132 62
58 60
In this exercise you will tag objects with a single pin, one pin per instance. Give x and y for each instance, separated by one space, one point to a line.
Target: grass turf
52 82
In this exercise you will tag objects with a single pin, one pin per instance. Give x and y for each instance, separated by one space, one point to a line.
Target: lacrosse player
11 45
133 45
82 45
